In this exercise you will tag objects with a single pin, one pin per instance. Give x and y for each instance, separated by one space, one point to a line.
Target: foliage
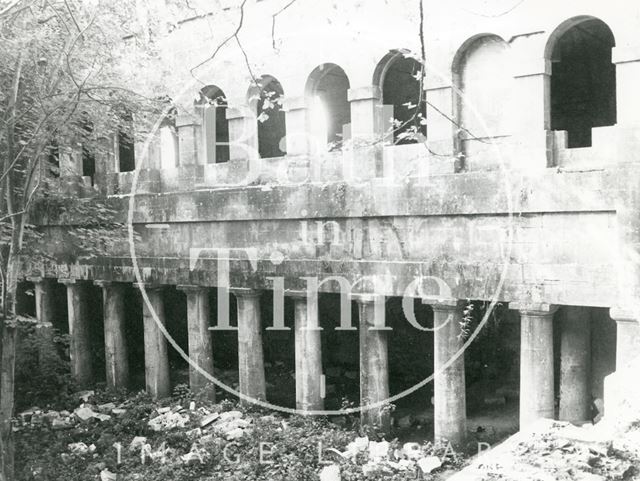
42 374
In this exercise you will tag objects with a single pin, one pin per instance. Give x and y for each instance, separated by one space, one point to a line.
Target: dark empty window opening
216 125
583 82
401 91
330 99
53 159
88 155
271 119
126 152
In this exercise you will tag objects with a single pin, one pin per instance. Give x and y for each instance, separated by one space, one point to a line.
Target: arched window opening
126 148
583 81
169 141
88 154
271 119
484 78
402 96
328 88
215 124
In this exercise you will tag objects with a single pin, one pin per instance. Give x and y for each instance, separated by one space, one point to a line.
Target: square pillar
200 346
250 351
308 353
575 365
298 134
243 132
621 389
45 313
115 344
374 362
79 332
156 359
450 404
537 389
190 144
367 129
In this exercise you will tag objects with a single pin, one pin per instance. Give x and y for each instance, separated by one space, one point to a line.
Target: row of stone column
537 394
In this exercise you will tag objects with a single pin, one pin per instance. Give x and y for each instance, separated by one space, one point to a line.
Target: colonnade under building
537 383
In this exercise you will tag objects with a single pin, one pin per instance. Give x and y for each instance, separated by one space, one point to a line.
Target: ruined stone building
303 162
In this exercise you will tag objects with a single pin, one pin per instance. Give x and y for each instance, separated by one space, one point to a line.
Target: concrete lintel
365 298
105 283
67 281
147 286
35 279
296 294
191 288
371 92
534 308
245 292
621 314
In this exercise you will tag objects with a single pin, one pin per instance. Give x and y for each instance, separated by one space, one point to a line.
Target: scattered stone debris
168 420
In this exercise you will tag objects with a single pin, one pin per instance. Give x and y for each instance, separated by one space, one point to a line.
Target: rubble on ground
552 450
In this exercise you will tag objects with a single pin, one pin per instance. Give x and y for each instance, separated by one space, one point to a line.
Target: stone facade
494 203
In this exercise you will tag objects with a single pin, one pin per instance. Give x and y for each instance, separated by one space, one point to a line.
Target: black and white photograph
319 240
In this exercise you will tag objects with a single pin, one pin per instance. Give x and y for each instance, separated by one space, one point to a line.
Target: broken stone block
106 475
168 421
330 473
378 450
84 414
208 419
229 415
106 408
234 434
163 410
78 449
118 411
411 451
429 464
101 417
61 423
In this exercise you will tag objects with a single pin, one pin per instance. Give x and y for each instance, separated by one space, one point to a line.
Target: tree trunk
7 389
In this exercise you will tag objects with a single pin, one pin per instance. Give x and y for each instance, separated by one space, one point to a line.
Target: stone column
537 393
575 365
156 359
449 400
200 347
115 350
374 362
627 338
45 313
621 389
79 331
308 352
250 353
